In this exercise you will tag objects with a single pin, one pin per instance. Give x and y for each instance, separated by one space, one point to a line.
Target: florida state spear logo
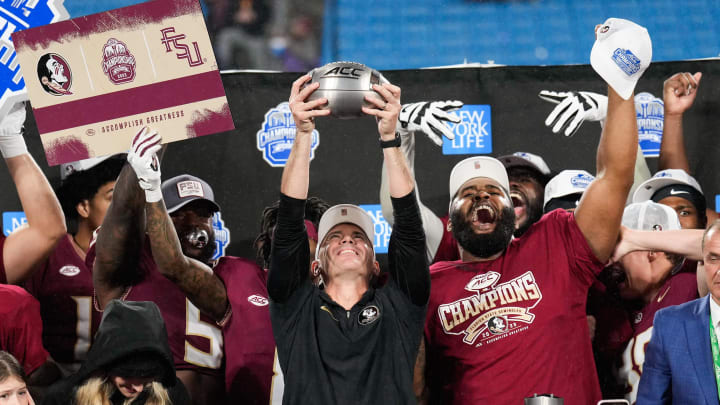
118 63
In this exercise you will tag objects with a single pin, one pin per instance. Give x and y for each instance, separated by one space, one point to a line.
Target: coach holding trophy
353 341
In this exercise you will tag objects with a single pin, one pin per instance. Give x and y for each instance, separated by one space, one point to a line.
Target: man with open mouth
535 287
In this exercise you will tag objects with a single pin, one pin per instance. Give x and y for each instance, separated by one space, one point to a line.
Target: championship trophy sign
96 81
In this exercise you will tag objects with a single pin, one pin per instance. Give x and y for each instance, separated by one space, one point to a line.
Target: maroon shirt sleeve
21 334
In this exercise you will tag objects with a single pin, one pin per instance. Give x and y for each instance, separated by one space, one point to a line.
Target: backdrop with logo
503 115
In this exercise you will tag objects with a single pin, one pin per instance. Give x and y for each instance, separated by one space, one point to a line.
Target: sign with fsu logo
15 16
103 77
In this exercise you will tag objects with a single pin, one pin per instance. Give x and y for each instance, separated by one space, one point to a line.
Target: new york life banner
95 81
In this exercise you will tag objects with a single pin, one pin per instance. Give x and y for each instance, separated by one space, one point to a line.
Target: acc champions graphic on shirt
494 311
14 16
13 220
650 114
276 137
473 134
222 236
382 228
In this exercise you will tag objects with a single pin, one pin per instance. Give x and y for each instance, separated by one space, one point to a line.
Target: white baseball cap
345 214
621 53
662 179
477 166
567 182
66 169
525 159
650 216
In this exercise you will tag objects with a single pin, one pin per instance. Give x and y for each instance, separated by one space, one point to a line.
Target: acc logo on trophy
276 137
54 74
222 236
650 113
15 16
118 63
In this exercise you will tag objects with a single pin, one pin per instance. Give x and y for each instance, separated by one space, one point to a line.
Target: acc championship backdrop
503 114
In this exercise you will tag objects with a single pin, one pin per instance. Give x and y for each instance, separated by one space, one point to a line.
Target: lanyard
716 355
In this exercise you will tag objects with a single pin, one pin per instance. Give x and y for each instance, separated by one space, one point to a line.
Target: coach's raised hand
304 112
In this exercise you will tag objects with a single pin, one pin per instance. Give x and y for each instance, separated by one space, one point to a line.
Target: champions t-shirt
502 330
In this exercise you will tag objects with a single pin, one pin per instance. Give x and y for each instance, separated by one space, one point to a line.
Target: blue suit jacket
678 365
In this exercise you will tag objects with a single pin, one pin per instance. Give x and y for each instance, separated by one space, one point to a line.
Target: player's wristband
153 195
12 146
394 143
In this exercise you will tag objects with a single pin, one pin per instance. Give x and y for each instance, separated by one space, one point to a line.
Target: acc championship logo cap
567 182
662 179
621 53
181 190
345 214
477 166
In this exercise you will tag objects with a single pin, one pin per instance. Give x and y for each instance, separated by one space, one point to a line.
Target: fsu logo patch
190 188
54 74
368 315
118 63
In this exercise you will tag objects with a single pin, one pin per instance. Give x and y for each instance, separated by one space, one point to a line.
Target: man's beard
534 213
205 253
483 245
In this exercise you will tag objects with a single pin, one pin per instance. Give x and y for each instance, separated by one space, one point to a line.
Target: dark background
347 162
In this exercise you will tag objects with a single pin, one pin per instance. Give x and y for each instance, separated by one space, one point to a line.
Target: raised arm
407 264
428 118
196 279
290 251
600 210
120 239
684 242
32 244
679 93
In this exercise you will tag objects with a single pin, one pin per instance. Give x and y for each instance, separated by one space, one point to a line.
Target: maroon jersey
21 327
678 289
195 340
64 288
448 248
502 330
252 371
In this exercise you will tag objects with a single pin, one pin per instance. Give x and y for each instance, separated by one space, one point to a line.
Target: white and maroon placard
95 81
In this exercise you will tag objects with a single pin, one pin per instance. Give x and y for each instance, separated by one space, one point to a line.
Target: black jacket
127 328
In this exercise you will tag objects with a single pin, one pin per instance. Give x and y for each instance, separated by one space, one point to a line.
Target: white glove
429 117
573 108
11 141
143 159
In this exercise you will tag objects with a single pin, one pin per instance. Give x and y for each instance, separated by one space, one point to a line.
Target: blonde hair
97 391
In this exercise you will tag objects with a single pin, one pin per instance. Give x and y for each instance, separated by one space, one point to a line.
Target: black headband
683 191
